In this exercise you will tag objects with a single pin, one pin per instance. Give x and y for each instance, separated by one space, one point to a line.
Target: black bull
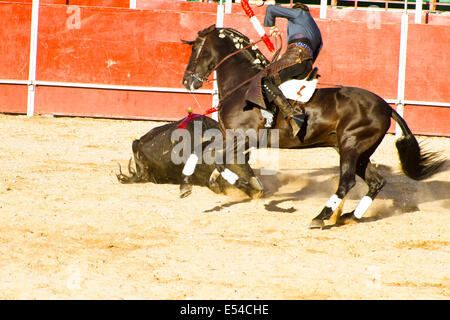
153 156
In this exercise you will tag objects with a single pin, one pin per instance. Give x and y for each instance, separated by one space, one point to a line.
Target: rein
245 48
251 44
274 58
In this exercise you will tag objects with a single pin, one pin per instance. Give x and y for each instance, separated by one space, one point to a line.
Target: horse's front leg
346 182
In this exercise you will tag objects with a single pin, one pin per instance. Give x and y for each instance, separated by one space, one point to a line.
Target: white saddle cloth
298 90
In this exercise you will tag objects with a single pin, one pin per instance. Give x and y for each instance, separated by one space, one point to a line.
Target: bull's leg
375 182
188 170
348 160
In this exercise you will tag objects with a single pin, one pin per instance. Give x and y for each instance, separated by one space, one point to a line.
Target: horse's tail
416 164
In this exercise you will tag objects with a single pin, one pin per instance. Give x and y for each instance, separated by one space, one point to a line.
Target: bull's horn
130 169
213 177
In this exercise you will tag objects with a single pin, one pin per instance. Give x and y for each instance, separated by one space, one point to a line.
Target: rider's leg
295 118
274 94
297 71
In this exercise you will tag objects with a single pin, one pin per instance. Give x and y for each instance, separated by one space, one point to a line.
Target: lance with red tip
257 25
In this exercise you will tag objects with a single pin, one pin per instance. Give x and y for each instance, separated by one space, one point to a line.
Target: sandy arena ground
69 230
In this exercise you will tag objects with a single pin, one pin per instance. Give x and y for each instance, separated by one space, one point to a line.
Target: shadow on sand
407 194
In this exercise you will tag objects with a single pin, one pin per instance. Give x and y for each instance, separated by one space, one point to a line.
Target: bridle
195 75
204 78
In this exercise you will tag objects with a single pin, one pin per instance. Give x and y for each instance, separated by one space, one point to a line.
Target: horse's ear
191 43
204 32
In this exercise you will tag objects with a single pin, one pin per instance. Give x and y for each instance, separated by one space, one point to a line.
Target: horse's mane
253 54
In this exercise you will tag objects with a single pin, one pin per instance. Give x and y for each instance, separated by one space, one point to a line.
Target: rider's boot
295 120
274 94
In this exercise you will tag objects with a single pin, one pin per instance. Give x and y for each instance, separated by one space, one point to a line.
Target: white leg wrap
190 165
362 206
230 176
333 202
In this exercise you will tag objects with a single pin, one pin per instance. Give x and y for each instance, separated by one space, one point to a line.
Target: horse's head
202 61
214 46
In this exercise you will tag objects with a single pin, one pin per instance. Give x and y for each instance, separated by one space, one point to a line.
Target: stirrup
296 122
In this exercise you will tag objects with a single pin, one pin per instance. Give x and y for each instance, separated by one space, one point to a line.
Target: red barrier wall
428 63
95 3
13 98
353 56
428 120
15 27
110 46
101 3
40 2
119 46
118 103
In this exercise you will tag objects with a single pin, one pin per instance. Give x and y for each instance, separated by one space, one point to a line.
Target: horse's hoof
256 194
316 224
185 190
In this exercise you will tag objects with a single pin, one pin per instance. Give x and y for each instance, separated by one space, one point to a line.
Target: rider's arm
274 11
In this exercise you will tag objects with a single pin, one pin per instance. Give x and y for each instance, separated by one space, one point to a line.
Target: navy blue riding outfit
301 26
304 44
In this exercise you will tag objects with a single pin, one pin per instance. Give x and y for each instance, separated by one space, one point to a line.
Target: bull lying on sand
154 158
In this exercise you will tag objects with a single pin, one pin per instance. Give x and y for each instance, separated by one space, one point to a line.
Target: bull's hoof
185 190
316 224
257 188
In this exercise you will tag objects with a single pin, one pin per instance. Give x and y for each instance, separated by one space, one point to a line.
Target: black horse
354 121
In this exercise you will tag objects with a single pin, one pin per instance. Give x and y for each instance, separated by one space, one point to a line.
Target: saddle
300 90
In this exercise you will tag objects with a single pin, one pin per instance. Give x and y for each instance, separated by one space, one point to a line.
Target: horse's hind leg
375 182
348 161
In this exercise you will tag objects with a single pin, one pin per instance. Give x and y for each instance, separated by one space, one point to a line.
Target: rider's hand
274 31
